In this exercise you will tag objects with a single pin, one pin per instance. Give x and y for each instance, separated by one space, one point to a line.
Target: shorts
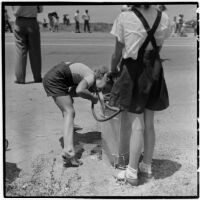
57 81
134 91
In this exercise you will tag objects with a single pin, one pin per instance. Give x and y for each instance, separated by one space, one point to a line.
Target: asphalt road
33 122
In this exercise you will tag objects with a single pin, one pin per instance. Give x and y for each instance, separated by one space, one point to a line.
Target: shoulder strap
150 31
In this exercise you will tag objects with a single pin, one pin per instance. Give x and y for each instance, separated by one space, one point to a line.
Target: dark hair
146 6
162 7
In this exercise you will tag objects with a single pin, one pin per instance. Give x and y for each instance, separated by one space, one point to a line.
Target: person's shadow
162 168
11 172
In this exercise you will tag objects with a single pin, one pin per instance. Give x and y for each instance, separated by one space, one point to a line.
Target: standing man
180 23
27 40
67 20
76 18
86 18
174 27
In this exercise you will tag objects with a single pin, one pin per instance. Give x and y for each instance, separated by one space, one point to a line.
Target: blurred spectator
180 23
51 22
66 20
194 26
86 18
174 26
182 31
7 23
76 18
44 24
56 23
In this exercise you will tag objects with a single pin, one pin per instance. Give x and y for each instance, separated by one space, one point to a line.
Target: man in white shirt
76 18
86 18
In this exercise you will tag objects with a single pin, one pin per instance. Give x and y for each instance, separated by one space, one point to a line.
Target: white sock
145 167
131 173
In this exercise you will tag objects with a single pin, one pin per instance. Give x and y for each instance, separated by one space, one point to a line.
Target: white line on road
99 45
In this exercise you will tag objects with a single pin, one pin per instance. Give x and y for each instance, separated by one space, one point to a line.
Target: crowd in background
54 21
179 24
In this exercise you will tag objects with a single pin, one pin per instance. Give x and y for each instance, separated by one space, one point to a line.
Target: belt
26 17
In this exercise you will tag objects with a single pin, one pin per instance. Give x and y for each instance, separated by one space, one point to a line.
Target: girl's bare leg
136 140
149 136
65 103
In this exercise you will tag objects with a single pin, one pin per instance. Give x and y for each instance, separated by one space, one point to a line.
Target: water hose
103 107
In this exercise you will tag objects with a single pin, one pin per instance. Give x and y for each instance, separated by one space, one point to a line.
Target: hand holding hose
94 99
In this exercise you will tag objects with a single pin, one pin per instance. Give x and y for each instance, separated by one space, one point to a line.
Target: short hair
138 5
162 7
100 72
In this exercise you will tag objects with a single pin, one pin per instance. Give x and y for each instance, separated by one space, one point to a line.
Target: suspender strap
150 31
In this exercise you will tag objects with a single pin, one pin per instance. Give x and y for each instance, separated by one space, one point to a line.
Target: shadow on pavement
162 169
12 172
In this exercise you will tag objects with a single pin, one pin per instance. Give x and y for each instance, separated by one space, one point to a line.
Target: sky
107 13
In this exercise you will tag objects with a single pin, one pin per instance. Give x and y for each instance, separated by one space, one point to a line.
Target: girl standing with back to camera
141 89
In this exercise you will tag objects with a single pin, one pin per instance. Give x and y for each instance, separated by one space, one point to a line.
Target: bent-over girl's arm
82 91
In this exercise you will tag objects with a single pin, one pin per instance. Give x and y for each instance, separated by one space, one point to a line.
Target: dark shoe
19 82
71 162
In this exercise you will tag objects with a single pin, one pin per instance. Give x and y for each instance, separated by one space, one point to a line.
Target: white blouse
130 31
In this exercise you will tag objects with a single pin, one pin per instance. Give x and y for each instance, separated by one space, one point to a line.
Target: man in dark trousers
76 18
86 18
27 40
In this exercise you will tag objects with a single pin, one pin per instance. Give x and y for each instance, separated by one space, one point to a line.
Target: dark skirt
57 81
141 85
